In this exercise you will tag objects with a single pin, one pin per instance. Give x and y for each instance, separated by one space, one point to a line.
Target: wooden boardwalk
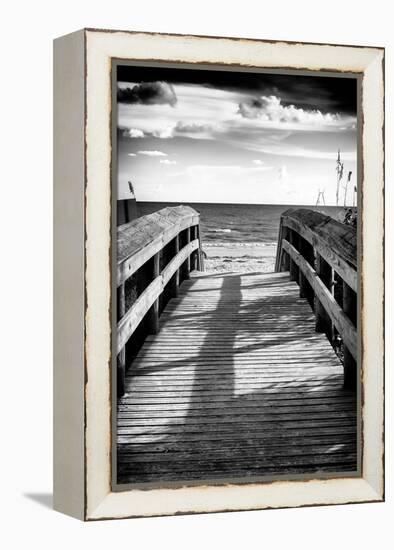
237 383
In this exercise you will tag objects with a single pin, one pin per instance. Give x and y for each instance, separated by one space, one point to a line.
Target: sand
242 258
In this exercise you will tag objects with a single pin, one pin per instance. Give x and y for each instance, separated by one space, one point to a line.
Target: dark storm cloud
326 93
148 93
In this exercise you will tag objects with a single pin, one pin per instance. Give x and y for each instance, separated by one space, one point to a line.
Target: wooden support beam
306 290
121 361
188 239
349 370
279 249
185 268
294 271
323 321
349 300
152 315
194 256
200 259
284 258
173 284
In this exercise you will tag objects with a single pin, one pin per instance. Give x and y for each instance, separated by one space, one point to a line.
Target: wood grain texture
334 241
236 384
140 239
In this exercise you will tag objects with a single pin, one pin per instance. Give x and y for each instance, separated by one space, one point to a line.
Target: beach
241 258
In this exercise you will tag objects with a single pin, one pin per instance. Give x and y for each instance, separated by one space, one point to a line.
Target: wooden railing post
174 281
306 291
284 257
194 255
152 315
294 270
349 299
188 268
323 321
121 361
200 259
185 268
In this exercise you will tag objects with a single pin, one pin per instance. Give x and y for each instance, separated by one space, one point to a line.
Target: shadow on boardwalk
237 384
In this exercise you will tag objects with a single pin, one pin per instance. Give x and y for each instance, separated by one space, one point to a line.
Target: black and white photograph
235 311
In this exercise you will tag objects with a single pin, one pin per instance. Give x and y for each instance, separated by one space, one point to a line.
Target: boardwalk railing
321 255
155 254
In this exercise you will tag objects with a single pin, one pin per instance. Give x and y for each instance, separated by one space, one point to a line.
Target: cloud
153 153
131 155
258 162
182 129
191 127
133 133
168 162
148 93
137 133
162 133
270 109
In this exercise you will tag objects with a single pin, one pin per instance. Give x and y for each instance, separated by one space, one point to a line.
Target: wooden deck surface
236 384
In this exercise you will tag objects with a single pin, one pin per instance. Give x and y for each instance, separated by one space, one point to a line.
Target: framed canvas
219 274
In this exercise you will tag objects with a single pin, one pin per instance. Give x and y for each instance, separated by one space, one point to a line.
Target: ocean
238 225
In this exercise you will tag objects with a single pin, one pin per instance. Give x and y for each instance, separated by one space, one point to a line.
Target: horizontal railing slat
133 316
344 326
178 260
128 267
346 271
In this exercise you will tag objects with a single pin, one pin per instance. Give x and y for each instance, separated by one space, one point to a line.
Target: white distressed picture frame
82 249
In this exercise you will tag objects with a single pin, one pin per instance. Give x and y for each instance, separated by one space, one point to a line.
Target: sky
234 137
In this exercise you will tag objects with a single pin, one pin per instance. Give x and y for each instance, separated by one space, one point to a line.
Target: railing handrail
334 241
320 252
141 239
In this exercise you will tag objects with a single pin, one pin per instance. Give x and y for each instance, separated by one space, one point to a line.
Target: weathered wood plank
139 433
219 399
287 433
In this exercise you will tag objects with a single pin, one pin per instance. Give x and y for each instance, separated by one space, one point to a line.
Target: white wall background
27 29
